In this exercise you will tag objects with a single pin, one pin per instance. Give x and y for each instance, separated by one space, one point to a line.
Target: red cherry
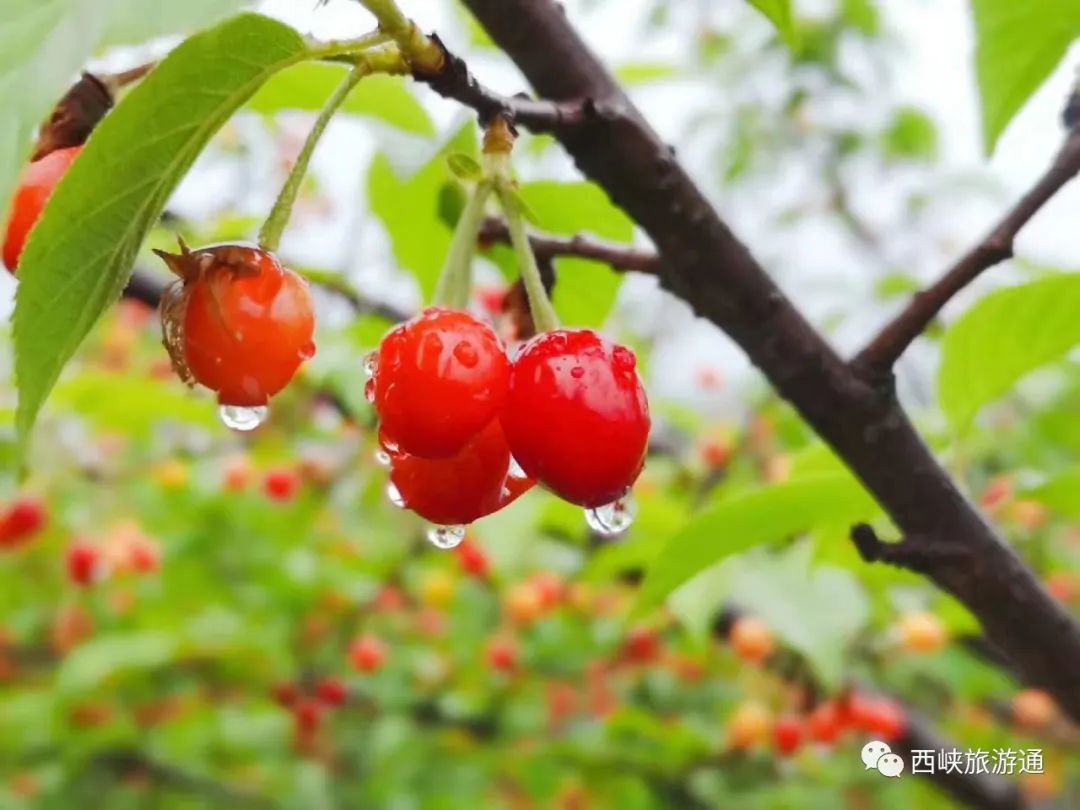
463 488
281 485
23 519
549 587
788 735
332 691
441 378
642 646
144 556
824 724
502 655
474 560
577 418
881 718
286 694
238 322
368 653
37 184
85 564
308 714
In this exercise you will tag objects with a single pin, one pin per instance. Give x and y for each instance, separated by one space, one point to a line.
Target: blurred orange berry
922 632
752 639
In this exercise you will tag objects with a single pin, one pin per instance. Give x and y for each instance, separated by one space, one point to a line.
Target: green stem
270 235
543 313
455 281
347 47
418 48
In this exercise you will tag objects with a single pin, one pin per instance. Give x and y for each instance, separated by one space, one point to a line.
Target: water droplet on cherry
371 363
369 390
515 470
612 518
394 495
577 372
382 458
466 354
238 417
446 537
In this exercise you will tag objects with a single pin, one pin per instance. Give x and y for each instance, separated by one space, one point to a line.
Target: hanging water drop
369 390
382 458
612 518
241 418
394 495
371 363
446 537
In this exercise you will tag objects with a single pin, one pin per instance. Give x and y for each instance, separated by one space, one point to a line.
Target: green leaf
781 14
131 404
816 610
1018 45
307 86
1003 337
419 236
104 657
44 43
464 167
740 521
586 290
635 73
1062 494
80 254
912 135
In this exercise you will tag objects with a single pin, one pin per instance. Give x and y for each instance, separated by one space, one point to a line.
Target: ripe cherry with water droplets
237 322
577 417
458 490
440 379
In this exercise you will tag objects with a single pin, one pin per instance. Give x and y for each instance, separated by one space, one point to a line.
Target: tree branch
706 265
881 354
617 257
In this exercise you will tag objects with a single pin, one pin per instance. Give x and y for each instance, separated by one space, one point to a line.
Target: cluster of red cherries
466 429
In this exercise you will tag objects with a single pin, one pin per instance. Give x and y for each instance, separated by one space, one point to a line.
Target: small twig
455 81
617 257
881 354
922 555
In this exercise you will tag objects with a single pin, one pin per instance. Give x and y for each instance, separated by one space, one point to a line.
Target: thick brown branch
706 265
617 257
879 356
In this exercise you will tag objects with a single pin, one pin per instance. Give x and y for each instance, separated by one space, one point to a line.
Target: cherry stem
419 49
543 313
455 281
270 234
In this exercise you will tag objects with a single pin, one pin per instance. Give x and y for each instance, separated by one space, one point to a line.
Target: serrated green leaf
781 14
307 86
1006 335
419 235
1018 45
43 43
80 254
740 521
464 167
586 291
